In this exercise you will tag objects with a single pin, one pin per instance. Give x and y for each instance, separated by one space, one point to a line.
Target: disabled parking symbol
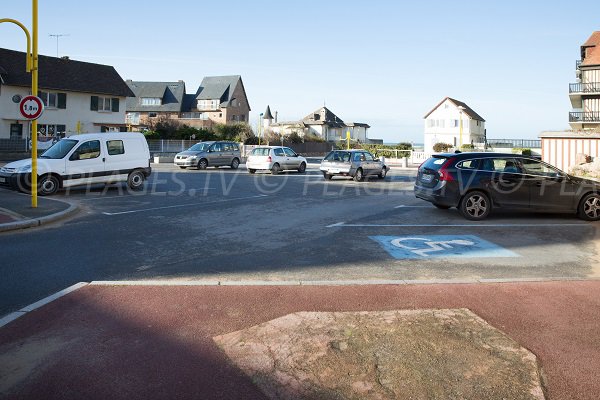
441 246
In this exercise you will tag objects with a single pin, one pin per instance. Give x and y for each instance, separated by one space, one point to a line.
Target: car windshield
200 147
261 151
59 149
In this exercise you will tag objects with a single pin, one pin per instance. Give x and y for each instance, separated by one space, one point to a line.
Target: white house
453 122
78 97
321 122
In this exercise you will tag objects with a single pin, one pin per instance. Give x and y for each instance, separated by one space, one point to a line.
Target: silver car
357 164
275 159
210 154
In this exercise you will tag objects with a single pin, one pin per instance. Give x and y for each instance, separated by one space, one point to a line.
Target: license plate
426 178
2 180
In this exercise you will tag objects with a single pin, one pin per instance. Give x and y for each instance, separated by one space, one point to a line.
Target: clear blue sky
386 63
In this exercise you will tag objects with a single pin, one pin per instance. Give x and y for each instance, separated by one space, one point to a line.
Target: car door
504 180
215 154
372 166
279 157
291 158
85 164
549 188
227 153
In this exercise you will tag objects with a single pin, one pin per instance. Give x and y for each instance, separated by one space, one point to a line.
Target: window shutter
94 103
62 100
115 104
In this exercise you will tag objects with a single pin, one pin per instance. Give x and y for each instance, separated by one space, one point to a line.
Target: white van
82 160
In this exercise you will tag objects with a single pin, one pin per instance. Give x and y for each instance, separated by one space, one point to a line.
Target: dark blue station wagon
476 183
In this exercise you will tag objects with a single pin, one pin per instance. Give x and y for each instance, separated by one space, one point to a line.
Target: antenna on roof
57 36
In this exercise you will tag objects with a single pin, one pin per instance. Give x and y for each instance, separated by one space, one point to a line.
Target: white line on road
185 205
344 225
405 206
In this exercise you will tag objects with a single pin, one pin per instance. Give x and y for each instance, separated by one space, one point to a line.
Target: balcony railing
589 87
590 116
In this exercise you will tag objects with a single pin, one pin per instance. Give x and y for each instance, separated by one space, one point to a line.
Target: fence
519 143
14 145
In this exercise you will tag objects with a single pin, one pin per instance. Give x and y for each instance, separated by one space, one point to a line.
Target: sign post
31 108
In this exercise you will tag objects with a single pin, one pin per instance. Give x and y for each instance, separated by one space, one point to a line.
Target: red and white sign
31 107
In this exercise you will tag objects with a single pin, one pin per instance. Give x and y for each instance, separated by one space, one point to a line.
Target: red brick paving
156 342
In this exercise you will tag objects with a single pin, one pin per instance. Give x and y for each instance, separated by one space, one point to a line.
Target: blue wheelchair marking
440 246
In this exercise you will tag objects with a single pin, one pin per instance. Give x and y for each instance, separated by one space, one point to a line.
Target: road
232 226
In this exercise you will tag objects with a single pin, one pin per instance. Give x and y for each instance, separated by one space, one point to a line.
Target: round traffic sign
31 107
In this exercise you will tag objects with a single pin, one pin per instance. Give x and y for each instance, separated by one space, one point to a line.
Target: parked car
275 159
210 154
476 183
357 164
84 159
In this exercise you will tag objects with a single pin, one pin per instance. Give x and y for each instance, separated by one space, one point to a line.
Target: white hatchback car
275 159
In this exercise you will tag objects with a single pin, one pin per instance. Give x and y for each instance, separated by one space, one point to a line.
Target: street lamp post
260 117
31 65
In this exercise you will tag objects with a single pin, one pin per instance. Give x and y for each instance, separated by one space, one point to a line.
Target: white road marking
185 205
405 206
474 225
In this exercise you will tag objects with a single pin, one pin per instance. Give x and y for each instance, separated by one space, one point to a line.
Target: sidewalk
16 211
109 341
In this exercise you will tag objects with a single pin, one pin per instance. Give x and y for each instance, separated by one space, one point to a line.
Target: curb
5 320
12 316
30 223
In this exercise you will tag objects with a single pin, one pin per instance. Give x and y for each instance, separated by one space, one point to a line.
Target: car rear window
338 156
261 151
434 163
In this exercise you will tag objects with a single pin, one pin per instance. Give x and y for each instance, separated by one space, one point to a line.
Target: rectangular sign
440 246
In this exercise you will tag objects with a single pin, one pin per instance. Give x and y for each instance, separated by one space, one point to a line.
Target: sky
385 63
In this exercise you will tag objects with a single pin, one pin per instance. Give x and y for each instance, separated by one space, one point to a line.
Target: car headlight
24 168
193 157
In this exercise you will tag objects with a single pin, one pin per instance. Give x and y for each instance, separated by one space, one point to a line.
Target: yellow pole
34 92
28 59
348 140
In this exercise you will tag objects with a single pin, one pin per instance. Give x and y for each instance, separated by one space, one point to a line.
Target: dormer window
151 101
317 117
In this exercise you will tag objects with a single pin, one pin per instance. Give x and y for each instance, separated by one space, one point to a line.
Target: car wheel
252 171
475 206
327 176
589 207
359 176
302 168
135 180
182 167
202 164
48 185
275 169
383 173
441 207
235 163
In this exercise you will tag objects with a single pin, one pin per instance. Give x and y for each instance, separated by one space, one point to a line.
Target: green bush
441 147
519 150
467 147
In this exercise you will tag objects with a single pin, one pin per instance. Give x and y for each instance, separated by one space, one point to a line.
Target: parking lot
227 225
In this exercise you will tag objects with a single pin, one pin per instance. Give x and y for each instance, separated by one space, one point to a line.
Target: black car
476 183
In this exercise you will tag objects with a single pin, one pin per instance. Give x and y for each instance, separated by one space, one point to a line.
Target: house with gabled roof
153 99
453 122
78 97
321 122
218 100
